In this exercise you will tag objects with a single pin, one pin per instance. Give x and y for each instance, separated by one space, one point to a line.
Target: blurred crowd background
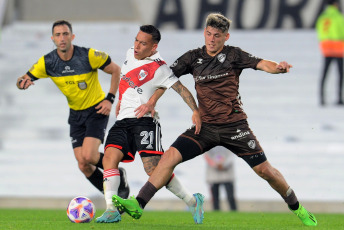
303 139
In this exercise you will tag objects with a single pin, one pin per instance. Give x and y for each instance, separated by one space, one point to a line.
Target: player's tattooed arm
185 94
190 101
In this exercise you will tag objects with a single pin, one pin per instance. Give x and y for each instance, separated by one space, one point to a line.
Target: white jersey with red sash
139 80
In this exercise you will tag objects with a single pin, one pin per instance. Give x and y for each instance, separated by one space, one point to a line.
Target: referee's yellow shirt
77 78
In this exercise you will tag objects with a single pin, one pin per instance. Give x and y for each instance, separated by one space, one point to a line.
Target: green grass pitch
11 219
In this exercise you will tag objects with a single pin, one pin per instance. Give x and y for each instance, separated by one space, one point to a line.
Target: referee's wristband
110 97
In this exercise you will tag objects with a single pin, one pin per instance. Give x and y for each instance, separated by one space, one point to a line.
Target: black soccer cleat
123 189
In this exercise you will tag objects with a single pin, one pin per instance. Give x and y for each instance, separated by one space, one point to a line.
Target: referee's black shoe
123 189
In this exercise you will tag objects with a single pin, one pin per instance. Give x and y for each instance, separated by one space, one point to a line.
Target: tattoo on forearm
185 94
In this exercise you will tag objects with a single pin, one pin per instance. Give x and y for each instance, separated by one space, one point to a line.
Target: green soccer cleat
306 217
109 216
198 211
130 206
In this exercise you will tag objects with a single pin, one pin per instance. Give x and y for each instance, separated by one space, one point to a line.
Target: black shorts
237 137
86 123
133 135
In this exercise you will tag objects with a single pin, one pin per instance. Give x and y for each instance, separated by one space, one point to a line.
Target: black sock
294 206
142 203
146 193
291 199
97 179
100 162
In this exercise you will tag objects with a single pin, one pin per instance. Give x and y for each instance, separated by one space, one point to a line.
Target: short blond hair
218 21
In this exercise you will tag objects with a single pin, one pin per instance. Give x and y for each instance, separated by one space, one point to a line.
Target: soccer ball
81 210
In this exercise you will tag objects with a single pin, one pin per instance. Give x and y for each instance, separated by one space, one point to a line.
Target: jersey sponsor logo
69 82
174 64
130 82
240 135
209 77
143 74
252 144
68 70
221 57
82 85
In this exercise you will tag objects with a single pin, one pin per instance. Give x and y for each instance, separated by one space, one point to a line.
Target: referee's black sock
97 179
100 162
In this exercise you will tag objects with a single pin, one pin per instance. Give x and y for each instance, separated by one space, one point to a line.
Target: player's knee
84 167
265 171
171 157
88 156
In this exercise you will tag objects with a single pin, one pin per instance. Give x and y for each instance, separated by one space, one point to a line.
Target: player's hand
284 67
118 107
24 82
196 120
104 107
144 109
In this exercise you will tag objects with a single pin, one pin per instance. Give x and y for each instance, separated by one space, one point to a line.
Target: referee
74 70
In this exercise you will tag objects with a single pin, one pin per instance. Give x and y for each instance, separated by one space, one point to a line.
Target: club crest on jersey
82 85
251 144
221 57
143 74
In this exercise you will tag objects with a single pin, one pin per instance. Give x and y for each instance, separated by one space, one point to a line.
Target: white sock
180 191
110 183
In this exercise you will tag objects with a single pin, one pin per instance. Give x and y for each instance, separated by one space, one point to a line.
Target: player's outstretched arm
24 82
274 67
190 101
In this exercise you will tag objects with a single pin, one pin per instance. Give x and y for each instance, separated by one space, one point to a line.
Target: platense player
144 78
216 68
74 70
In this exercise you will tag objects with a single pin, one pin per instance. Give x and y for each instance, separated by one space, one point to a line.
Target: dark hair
152 30
218 21
62 22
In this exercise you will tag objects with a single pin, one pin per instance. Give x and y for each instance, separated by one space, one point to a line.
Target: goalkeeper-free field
165 220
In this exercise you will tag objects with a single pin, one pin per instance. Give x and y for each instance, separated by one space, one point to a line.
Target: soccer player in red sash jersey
144 78
216 68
